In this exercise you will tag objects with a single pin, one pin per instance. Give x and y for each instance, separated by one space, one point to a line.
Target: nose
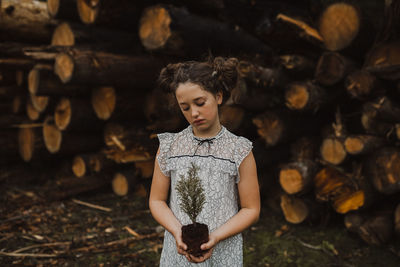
195 112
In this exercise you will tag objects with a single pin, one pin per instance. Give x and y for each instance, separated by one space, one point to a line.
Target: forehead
187 91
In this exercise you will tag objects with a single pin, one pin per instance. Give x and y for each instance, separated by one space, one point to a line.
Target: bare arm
249 196
159 208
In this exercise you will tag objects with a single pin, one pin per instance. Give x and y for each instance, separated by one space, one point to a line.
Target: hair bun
167 75
225 71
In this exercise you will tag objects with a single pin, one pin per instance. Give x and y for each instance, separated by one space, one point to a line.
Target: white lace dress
219 159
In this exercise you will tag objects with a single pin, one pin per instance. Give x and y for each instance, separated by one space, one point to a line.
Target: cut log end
349 202
353 145
296 97
33 80
339 25
62 113
332 150
26 143
154 30
52 136
52 7
63 36
120 184
78 166
31 112
39 102
103 102
291 181
294 209
88 10
64 67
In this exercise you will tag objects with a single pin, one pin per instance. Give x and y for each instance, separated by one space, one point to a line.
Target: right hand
180 246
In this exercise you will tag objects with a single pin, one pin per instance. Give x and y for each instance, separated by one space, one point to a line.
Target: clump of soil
193 235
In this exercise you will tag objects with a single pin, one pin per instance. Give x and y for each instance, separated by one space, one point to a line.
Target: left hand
209 246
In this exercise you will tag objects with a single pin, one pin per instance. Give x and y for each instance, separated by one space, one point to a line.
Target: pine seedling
191 193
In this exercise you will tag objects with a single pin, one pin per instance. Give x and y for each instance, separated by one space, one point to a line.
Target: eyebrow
198 98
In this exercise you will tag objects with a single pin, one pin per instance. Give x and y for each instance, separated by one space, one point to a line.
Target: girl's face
199 107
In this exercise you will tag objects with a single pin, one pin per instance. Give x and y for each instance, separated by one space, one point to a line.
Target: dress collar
203 139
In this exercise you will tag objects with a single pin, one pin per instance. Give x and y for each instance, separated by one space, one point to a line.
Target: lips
197 122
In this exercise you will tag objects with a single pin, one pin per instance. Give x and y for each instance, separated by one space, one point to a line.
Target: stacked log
321 103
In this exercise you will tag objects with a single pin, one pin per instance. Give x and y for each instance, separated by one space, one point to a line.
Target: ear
219 97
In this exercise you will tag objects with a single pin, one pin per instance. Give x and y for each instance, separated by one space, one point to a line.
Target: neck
211 132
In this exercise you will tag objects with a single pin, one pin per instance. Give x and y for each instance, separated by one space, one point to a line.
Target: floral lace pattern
219 159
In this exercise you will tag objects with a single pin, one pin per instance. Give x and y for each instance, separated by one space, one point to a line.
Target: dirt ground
120 231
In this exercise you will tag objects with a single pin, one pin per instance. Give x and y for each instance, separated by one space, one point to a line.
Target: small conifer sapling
192 199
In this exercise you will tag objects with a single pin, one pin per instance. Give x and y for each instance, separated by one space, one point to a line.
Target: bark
25 21
105 69
63 10
96 39
362 144
303 96
297 177
65 143
383 168
332 68
176 31
75 114
361 84
384 60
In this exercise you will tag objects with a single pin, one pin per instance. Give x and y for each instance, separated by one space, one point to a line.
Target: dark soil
35 232
193 235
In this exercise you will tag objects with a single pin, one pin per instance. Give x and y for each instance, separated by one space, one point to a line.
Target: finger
207 245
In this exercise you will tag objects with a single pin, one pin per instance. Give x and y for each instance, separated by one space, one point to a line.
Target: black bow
209 141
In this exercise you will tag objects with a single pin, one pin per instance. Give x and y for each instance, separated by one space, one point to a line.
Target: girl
227 167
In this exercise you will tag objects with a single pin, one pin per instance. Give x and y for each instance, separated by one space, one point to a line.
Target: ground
34 232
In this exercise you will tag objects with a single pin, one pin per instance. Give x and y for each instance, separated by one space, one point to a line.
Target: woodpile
318 94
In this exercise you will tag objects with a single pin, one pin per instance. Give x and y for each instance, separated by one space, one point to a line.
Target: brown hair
218 75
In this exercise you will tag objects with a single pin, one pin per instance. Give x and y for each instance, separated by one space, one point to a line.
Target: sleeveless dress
219 159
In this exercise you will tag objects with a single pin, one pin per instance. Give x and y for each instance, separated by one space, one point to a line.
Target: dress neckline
218 135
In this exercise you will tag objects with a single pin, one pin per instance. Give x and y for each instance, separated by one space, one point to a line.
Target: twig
27 125
117 142
302 25
91 205
43 245
12 254
124 241
131 231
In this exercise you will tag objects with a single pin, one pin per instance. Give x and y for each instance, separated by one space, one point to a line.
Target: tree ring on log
103 102
64 67
88 10
78 166
26 143
296 97
339 25
63 36
31 112
332 150
39 102
120 184
52 136
155 29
